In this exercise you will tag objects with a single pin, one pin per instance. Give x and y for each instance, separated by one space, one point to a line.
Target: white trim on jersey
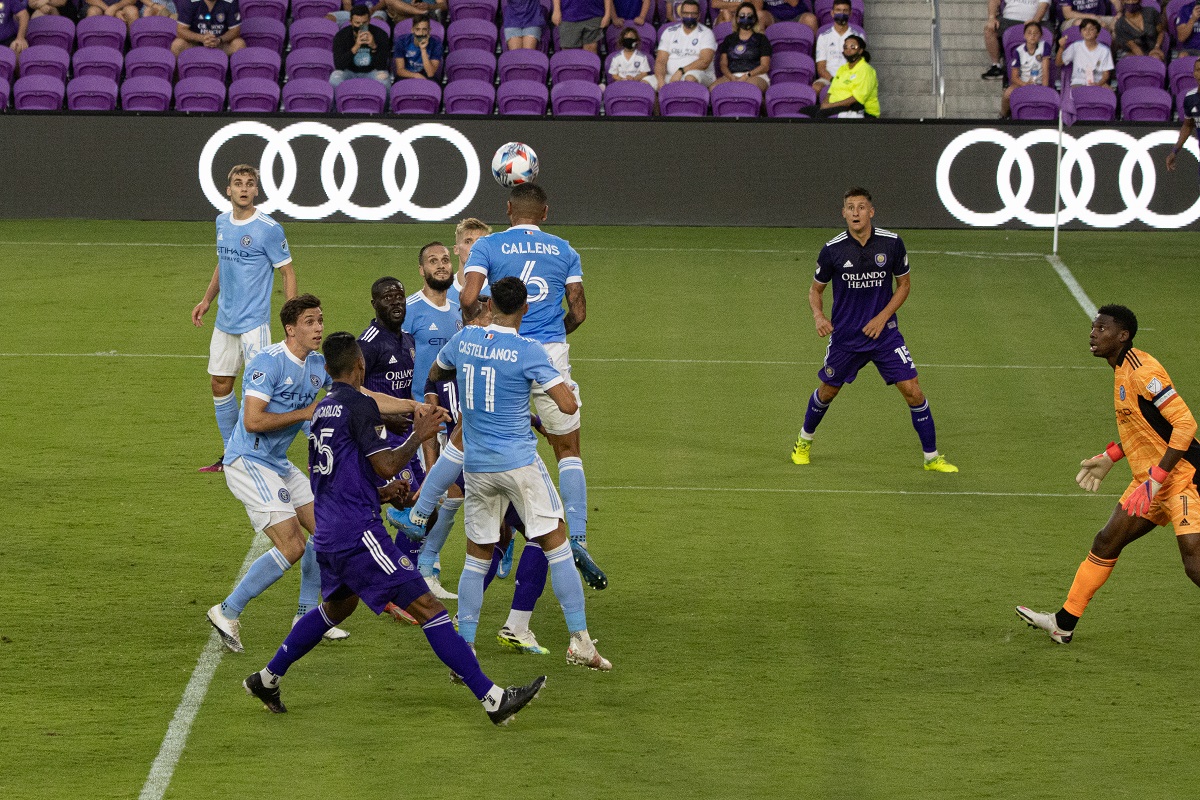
838 238
369 334
376 551
887 233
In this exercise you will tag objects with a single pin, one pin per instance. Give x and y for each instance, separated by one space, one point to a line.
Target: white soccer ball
514 163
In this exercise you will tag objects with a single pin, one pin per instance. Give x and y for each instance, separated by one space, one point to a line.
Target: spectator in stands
1091 61
418 54
626 11
629 63
52 8
745 54
580 23
1140 31
686 50
361 50
523 20
773 11
1076 11
342 15
400 10
14 19
208 23
124 10
1015 12
159 8
1190 113
854 92
1187 32
830 43
1030 65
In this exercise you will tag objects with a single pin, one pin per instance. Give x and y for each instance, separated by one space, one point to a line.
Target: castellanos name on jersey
286 383
544 262
248 253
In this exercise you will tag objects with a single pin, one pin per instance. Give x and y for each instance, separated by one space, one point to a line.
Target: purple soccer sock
304 636
814 414
497 554
531 578
922 419
456 654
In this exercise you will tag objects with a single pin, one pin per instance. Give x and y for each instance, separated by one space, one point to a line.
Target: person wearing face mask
1140 31
830 42
745 55
629 63
686 50
854 92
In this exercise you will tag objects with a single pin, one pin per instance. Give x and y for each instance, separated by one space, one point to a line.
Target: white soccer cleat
334 634
228 629
582 652
437 590
1046 622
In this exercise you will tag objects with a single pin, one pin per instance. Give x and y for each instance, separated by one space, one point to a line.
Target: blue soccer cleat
506 560
402 521
593 576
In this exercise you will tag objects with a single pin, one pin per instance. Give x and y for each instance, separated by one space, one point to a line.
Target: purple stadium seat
306 9
255 62
786 99
152 62
524 65
309 62
203 62
360 96
264 32
101 31
275 9
683 99
792 68
522 98
1034 102
145 93
315 32
575 98
574 65
199 94
415 96
477 33
55 31
474 9
647 36
721 30
38 93
8 65
1169 15
1140 71
1074 34
1145 104
3 95
307 96
1094 103
472 64
436 29
824 11
45 59
628 99
791 37
736 99
152 32
1180 75
470 97
97 60
254 96
92 93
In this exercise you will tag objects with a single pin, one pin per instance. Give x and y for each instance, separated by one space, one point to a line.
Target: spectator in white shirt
1091 61
1014 12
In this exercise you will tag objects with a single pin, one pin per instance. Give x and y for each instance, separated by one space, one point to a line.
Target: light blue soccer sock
574 496
226 409
310 581
438 535
470 596
568 587
266 569
445 472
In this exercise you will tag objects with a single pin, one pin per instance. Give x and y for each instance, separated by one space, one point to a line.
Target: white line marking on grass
1077 291
761 490
108 354
181 724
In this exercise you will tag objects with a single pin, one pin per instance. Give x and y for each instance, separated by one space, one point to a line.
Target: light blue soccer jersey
287 384
496 368
456 289
544 262
431 327
248 253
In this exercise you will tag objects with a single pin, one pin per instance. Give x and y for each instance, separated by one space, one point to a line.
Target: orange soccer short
1176 503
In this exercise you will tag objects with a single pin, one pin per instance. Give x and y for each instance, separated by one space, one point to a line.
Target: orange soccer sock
1090 576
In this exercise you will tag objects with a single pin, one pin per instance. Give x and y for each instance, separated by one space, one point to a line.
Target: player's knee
425 608
222 385
825 392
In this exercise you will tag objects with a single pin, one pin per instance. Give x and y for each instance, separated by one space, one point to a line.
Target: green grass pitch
844 630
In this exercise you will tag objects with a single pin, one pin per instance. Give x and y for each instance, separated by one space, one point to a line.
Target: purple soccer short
889 354
375 569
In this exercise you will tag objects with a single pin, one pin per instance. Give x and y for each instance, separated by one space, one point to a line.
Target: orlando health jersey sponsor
286 384
200 19
431 327
495 369
248 253
389 365
862 278
544 262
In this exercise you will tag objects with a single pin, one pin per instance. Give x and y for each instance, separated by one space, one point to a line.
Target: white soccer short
263 492
229 353
553 420
528 488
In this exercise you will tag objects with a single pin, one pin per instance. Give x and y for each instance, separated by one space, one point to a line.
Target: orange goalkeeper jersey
1152 416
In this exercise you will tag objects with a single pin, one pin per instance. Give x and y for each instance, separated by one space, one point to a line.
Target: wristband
1158 474
431 388
1114 452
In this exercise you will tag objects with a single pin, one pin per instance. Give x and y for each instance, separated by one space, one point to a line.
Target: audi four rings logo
338 146
1076 151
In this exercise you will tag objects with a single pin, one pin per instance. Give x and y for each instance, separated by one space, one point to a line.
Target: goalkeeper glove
1095 468
1138 503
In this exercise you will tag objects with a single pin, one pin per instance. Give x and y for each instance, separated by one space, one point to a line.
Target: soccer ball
514 163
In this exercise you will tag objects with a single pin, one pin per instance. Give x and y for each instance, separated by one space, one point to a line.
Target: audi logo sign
338 147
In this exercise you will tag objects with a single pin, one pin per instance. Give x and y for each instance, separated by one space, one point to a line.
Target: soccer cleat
216 466
994 73
1047 622
516 698
334 634
270 697
801 450
227 628
437 590
402 521
593 576
939 464
400 614
506 560
522 642
582 652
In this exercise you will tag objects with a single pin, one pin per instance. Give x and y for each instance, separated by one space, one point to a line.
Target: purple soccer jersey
390 360
862 278
199 18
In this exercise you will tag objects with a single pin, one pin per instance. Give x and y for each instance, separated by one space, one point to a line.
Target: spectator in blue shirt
418 54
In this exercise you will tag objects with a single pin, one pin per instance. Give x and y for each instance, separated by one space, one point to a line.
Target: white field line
905 492
1076 290
197 687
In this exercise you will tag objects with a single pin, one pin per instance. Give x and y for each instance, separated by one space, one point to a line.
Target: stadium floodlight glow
1075 204
338 147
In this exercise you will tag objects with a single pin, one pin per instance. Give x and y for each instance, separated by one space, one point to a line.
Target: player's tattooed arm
576 307
425 425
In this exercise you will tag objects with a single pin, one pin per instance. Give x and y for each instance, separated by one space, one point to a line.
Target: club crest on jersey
314 380
246 241
221 18
880 259
381 431
285 496
404 562
1154 386
406 475
1121 392
829 372
283 246
257 376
